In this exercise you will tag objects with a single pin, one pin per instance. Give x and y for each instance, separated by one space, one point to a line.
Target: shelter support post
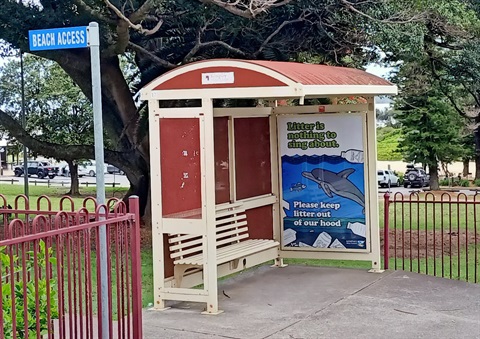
373 187
277 234
209 245
157 223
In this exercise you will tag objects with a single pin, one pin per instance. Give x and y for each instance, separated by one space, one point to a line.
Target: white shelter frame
164 287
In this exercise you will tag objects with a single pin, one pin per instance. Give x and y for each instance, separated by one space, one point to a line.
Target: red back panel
180 165
222 175
260 222
252 157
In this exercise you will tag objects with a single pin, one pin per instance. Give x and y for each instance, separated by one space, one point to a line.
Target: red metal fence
50 269
435 234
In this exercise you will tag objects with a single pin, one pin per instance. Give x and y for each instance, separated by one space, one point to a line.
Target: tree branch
275 32
247 8
94 13
442 88
142 12
224 45
392 20
136 17
57 151
153 57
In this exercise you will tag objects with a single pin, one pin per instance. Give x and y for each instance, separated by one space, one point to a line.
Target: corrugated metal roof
311 74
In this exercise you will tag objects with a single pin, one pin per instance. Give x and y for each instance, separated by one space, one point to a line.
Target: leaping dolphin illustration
337 183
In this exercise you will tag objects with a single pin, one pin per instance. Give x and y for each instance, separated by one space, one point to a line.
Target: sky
380 102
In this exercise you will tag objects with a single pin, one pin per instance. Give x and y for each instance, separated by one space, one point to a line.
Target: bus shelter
293 176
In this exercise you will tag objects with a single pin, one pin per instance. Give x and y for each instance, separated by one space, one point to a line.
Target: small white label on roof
218 78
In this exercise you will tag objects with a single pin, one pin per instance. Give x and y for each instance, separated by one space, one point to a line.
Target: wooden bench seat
231 241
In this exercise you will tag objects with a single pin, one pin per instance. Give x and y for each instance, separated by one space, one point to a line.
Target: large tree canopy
443 48
159 35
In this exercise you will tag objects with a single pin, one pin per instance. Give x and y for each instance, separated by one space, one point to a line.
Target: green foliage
431 127
476 183
400 178
387 144
56 108
464 183
35 292
444 182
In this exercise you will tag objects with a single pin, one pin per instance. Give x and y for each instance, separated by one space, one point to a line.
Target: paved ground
317 302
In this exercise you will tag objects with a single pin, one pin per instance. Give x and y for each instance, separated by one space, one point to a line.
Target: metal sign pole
94 43
81 37
24 125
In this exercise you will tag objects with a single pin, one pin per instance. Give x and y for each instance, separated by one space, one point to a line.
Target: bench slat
228 205
245 246
182 253
231 234
221 233
235 251
258 247
231 226
232 239
226 213
222 239
237 217
177 238
186 244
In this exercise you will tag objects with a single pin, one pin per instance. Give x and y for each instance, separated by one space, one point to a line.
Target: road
119 180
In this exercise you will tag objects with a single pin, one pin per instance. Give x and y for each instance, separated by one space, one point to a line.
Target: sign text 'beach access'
58 38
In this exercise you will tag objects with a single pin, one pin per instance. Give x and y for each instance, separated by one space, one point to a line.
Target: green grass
55 194
360 264
147 277
458 268
424 216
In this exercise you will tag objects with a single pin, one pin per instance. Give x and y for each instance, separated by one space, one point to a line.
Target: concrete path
318 302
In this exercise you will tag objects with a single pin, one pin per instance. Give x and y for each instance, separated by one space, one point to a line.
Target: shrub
464 183
31 297
476 183
444 182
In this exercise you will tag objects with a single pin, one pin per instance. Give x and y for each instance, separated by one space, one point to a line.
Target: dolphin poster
323 181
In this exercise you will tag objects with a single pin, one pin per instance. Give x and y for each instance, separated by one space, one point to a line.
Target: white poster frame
368 218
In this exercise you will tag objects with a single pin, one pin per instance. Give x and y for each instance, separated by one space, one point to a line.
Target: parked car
91 167
114 170
415 177
41 169
387 178
65 170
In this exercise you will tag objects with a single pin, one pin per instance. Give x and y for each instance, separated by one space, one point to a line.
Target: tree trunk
434 184
74 185
120 120
466 170
476 136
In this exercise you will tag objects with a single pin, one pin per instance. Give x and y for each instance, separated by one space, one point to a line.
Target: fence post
134 208
386 217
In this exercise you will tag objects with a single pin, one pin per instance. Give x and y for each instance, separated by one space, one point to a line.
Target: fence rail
435 234
58 183
50 271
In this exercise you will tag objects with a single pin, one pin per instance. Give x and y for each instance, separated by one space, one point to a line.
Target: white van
387 178
91 167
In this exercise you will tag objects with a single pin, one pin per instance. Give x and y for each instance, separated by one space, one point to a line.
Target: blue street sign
58 38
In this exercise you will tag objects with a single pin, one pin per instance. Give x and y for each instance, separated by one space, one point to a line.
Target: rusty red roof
232 74
312 74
